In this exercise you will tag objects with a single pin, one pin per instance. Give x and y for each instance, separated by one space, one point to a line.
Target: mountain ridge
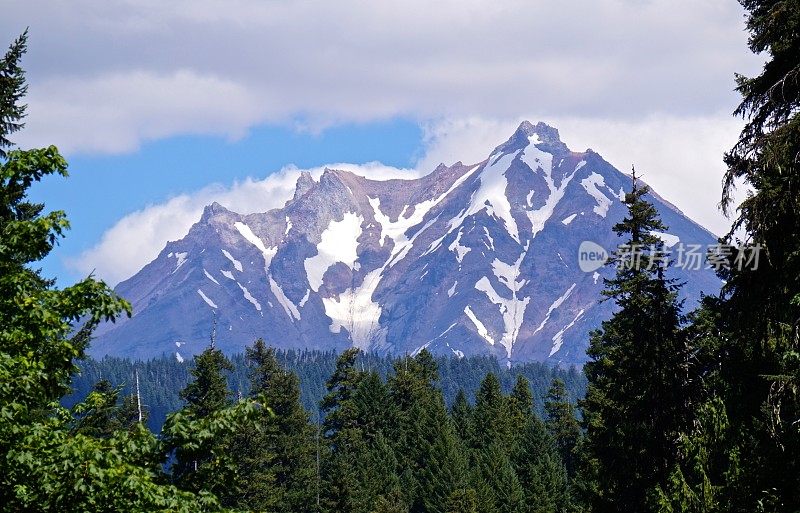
469 259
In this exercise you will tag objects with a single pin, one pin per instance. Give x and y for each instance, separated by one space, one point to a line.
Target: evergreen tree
393 503
12 90
99 415
520 401
205 466
542 473
535 457
494 442
562 424
461 413
636 402
495 480
275 458
208 392
338 402
130 411
445 471
463 500
760 312
491 418
341 489
520 411
426 444
376 474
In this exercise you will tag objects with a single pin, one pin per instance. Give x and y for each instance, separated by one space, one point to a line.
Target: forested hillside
162 379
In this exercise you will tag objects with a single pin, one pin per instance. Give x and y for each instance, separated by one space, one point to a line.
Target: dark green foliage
636 401
461 413
759 315
12 90
463 500
276 457
513 460
208 391
562 424
162 379
401 443
491 419
101 413
541 471
205 466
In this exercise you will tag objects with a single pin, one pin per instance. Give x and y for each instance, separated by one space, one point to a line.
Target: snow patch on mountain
491 196
355 311
512 309
236 264
418 350
285 302
180 260
452 290
247 233
403 244
558 338
305 298
668 239
478 325
339 243
249 296
592 185
445 332
489 238
210 277
208 301
536 160
458 249
558 302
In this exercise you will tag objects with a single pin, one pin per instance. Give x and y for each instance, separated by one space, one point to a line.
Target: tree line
162 379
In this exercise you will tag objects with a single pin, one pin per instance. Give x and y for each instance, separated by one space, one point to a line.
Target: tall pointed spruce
635 405
562 424
276 458
200 467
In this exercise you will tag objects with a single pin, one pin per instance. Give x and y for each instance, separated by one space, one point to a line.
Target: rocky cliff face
470 259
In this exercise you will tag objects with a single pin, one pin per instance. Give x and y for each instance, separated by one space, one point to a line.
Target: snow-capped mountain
469 259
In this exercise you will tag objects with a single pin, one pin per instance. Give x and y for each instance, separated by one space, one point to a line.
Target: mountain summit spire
543 135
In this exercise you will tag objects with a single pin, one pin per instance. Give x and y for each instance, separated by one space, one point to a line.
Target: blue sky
162 107
103 188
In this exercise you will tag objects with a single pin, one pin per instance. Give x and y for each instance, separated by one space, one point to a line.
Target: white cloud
137 238
117 112
127 71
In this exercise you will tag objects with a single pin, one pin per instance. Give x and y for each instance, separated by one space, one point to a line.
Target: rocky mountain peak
541 134
213 210
304 183
478 259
